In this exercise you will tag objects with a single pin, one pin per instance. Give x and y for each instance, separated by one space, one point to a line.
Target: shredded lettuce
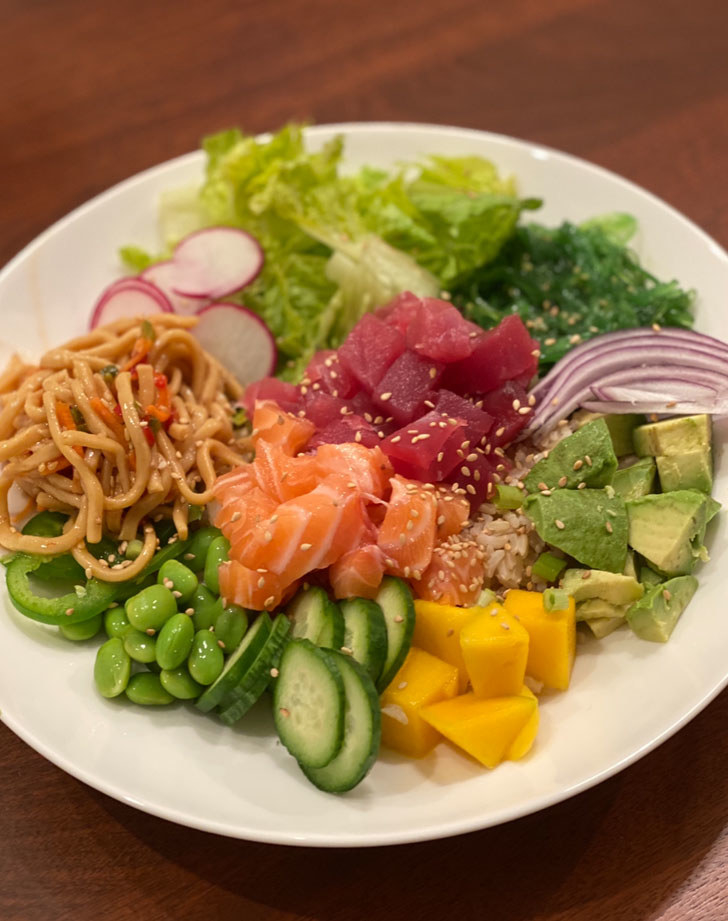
338 244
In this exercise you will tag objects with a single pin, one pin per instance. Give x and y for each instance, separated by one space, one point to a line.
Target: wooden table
93 92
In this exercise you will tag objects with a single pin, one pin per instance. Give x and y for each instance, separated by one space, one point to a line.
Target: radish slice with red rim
216 261
126 298
166 275
239 339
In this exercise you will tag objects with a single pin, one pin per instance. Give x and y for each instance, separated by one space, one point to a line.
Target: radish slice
166 276
239 339
215 262
128 297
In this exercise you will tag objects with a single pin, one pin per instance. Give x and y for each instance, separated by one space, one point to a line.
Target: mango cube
423 679
524 740
552 637
495 650
437 631
490 729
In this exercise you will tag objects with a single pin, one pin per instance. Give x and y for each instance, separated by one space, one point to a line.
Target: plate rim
533 804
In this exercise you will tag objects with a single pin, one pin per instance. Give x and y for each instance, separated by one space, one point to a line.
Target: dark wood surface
93 92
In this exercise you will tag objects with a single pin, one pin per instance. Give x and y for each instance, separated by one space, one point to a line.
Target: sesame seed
402 539
499 431
177 594
666 594
608 526
261 582
465 471
586 574
284 712
656 327
433 373
398 619
396 439
559 524
578 464
563 481
581 485
385 396
524 410
150 631
306 546
269 601
189 611
516 404
347 650
274 672
588 460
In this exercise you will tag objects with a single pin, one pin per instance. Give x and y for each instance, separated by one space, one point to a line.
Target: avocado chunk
673 436
603 626
586 456
668 529
587 524
600 616
692 470
636 480
620 425
649 577
610 587
655 615
630 566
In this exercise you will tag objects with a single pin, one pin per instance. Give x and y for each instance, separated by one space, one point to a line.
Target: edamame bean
230 627
174 642
206 608
199 545
206 660
140 646
112 668
133 549
83 630
179 683
178 578
146 689
116 623
149 609
216 554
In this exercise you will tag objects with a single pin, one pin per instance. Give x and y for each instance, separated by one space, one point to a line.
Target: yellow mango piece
486 728
437 631
495 650
552 637
423 679
524 740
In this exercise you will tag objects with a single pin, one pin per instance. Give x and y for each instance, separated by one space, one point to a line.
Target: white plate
627 696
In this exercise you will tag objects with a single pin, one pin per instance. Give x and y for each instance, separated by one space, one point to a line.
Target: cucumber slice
365 634
237 664
316 618
237 702
395 599
308 704
362 731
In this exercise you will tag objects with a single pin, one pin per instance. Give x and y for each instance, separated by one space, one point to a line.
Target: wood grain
92 93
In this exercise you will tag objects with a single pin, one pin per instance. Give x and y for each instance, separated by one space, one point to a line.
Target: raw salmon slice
455 575
256 591
281 476
272 424
358 573
368 468
453 512
306 533
407 534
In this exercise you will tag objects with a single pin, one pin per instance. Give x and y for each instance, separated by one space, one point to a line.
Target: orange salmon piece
453 511
455 575
238 516
358 573
272 424
236 482
281 476
407 533
306 533
257 591
368 468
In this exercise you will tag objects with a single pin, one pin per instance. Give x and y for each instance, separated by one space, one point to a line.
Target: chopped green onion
133 549
78 418
239 417
109 373
555 599
155 425
508 497
148 331
194 512
486 597
548 567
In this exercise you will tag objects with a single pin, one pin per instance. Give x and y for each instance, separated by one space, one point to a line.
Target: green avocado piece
603 626
586 456
668 529
636 480
692 470
654 616
588 524
598 608
673 436
649 577
610 587
630 566
620 425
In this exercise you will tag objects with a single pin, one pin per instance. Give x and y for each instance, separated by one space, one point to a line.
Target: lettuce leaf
338 244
